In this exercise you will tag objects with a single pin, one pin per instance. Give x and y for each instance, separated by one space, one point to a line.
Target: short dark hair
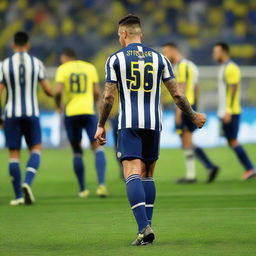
171 44
224 46
21 38
69 53
129 20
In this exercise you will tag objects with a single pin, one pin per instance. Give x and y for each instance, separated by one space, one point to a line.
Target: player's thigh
74 129
150 145
231 129
129 145
90 125
13 133
31 130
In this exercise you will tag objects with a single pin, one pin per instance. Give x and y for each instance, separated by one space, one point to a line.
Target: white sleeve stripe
166 72
112 70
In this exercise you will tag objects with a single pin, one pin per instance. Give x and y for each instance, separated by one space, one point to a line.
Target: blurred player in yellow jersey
78 84
186 74
229 109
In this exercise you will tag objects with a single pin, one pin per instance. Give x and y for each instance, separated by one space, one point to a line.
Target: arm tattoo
179 98
107 102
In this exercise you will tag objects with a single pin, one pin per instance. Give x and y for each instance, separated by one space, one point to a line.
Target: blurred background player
78 82
186 74
137 71
20 75
229 108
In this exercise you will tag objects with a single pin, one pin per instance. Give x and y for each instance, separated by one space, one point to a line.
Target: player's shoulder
232 66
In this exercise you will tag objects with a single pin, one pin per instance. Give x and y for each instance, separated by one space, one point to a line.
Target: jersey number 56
141 76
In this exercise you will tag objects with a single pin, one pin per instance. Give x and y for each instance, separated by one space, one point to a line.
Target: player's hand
199 119
100 135
226 118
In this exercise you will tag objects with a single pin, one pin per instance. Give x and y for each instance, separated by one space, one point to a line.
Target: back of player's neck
20 49
133 42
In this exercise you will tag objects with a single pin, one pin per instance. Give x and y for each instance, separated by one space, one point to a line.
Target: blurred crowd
90 26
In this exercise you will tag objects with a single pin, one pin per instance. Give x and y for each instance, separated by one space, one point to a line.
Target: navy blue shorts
16 127
75 125
138 144
186 123
230 130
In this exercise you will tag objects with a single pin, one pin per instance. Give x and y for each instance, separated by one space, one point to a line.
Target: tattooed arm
182 102
105 109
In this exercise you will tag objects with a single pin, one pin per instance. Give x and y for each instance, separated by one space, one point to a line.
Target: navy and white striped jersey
139 71
20 73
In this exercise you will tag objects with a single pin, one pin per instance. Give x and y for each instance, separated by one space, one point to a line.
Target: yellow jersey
229 74
187 72
78 78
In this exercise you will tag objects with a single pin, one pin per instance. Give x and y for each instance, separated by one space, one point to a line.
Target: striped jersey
138 72
229 74
187 72
20 74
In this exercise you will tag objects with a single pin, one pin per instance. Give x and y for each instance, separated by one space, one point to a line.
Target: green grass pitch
191 220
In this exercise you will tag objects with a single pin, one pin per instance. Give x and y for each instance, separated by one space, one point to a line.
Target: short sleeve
167 71
95 76
110 71
181 76
232 74
59 77
41 73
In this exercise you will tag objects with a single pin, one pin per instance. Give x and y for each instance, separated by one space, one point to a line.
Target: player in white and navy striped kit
137 71
20 75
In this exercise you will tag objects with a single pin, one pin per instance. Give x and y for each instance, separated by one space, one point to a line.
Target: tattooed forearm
107 103
179 98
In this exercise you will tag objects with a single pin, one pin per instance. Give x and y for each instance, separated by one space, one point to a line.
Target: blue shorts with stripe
230 130
138 144
75 125
17 127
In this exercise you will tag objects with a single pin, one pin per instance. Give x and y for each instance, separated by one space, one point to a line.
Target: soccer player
136 72
229 108
186 74
20 75
78 82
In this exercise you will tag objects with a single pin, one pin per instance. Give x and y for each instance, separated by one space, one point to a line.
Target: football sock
204 158
150 195
32 167
78 166
14 170
100 162
190 163
242 156
136 197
